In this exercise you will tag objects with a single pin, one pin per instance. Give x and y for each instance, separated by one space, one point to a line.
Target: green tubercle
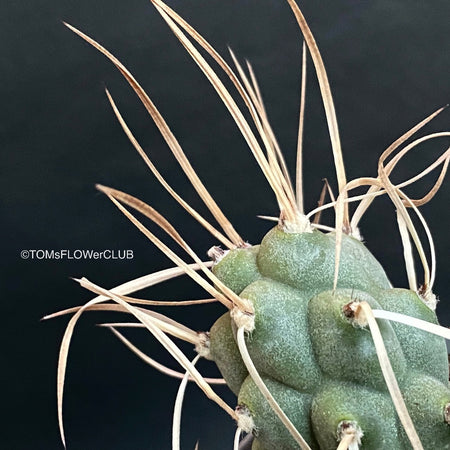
270 433
306 261
347 352
225 353
280 346
372 410
238 268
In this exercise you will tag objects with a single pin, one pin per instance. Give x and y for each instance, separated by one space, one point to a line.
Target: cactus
320 349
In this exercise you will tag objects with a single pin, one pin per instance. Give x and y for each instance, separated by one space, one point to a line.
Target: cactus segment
283 342
423 351
269 431
306 261
225 353
371 410
240 268
427 400
345 351
311 353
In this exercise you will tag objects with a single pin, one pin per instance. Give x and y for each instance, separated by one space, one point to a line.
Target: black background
388 66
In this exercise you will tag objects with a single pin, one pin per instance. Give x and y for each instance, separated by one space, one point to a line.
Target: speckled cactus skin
320 368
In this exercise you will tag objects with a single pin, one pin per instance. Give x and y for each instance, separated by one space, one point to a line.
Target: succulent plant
320 349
